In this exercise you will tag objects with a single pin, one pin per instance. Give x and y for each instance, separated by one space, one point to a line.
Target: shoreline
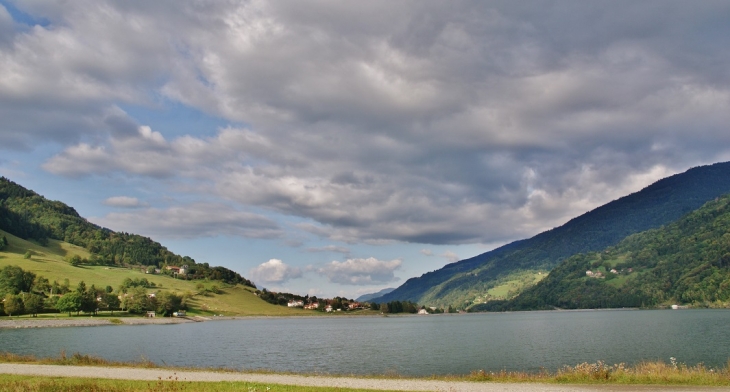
88 322
18 323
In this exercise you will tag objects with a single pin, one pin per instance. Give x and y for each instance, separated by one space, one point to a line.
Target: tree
168 303
27 255
33 303
384 308
13 280
41 284
69 302
137 300
3 242
74 260
13 304
88 302
109 301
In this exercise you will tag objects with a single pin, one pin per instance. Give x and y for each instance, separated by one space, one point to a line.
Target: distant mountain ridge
368 297
658 204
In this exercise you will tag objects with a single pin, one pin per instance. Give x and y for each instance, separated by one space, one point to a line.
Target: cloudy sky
337 148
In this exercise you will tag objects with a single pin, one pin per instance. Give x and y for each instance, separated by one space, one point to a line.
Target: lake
408 345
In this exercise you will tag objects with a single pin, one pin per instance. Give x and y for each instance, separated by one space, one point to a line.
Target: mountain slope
686 262
658 204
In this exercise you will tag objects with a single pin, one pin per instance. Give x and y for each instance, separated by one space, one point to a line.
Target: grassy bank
70 384
650 372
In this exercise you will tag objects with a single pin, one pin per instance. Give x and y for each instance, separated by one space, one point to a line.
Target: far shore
106 319
95 321
87 321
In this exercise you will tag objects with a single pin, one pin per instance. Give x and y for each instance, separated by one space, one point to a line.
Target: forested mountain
30 216
661 203
686 262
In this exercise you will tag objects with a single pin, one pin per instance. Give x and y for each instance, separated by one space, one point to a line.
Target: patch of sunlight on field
513 284
241 301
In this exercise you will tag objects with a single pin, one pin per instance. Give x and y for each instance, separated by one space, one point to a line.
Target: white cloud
450 256
274 271
427 252
124 202
368 271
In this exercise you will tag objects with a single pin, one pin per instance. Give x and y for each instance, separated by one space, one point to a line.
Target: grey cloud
121 126
416 121
192 221
330 248
6 26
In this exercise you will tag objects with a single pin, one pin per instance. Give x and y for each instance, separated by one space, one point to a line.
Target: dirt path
317 381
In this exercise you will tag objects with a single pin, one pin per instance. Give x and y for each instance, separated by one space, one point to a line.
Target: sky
337 148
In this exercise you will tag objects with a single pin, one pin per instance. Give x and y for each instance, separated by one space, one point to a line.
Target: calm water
419 345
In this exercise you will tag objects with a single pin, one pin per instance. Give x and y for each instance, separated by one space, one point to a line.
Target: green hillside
31 216
686 262
50 239
50 262
470 281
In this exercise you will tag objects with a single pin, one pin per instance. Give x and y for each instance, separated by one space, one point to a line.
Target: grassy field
49 262
515 283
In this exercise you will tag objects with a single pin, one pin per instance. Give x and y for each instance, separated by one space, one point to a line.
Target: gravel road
318 381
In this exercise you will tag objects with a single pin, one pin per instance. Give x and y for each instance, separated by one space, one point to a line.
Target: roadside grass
643 373
71 384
